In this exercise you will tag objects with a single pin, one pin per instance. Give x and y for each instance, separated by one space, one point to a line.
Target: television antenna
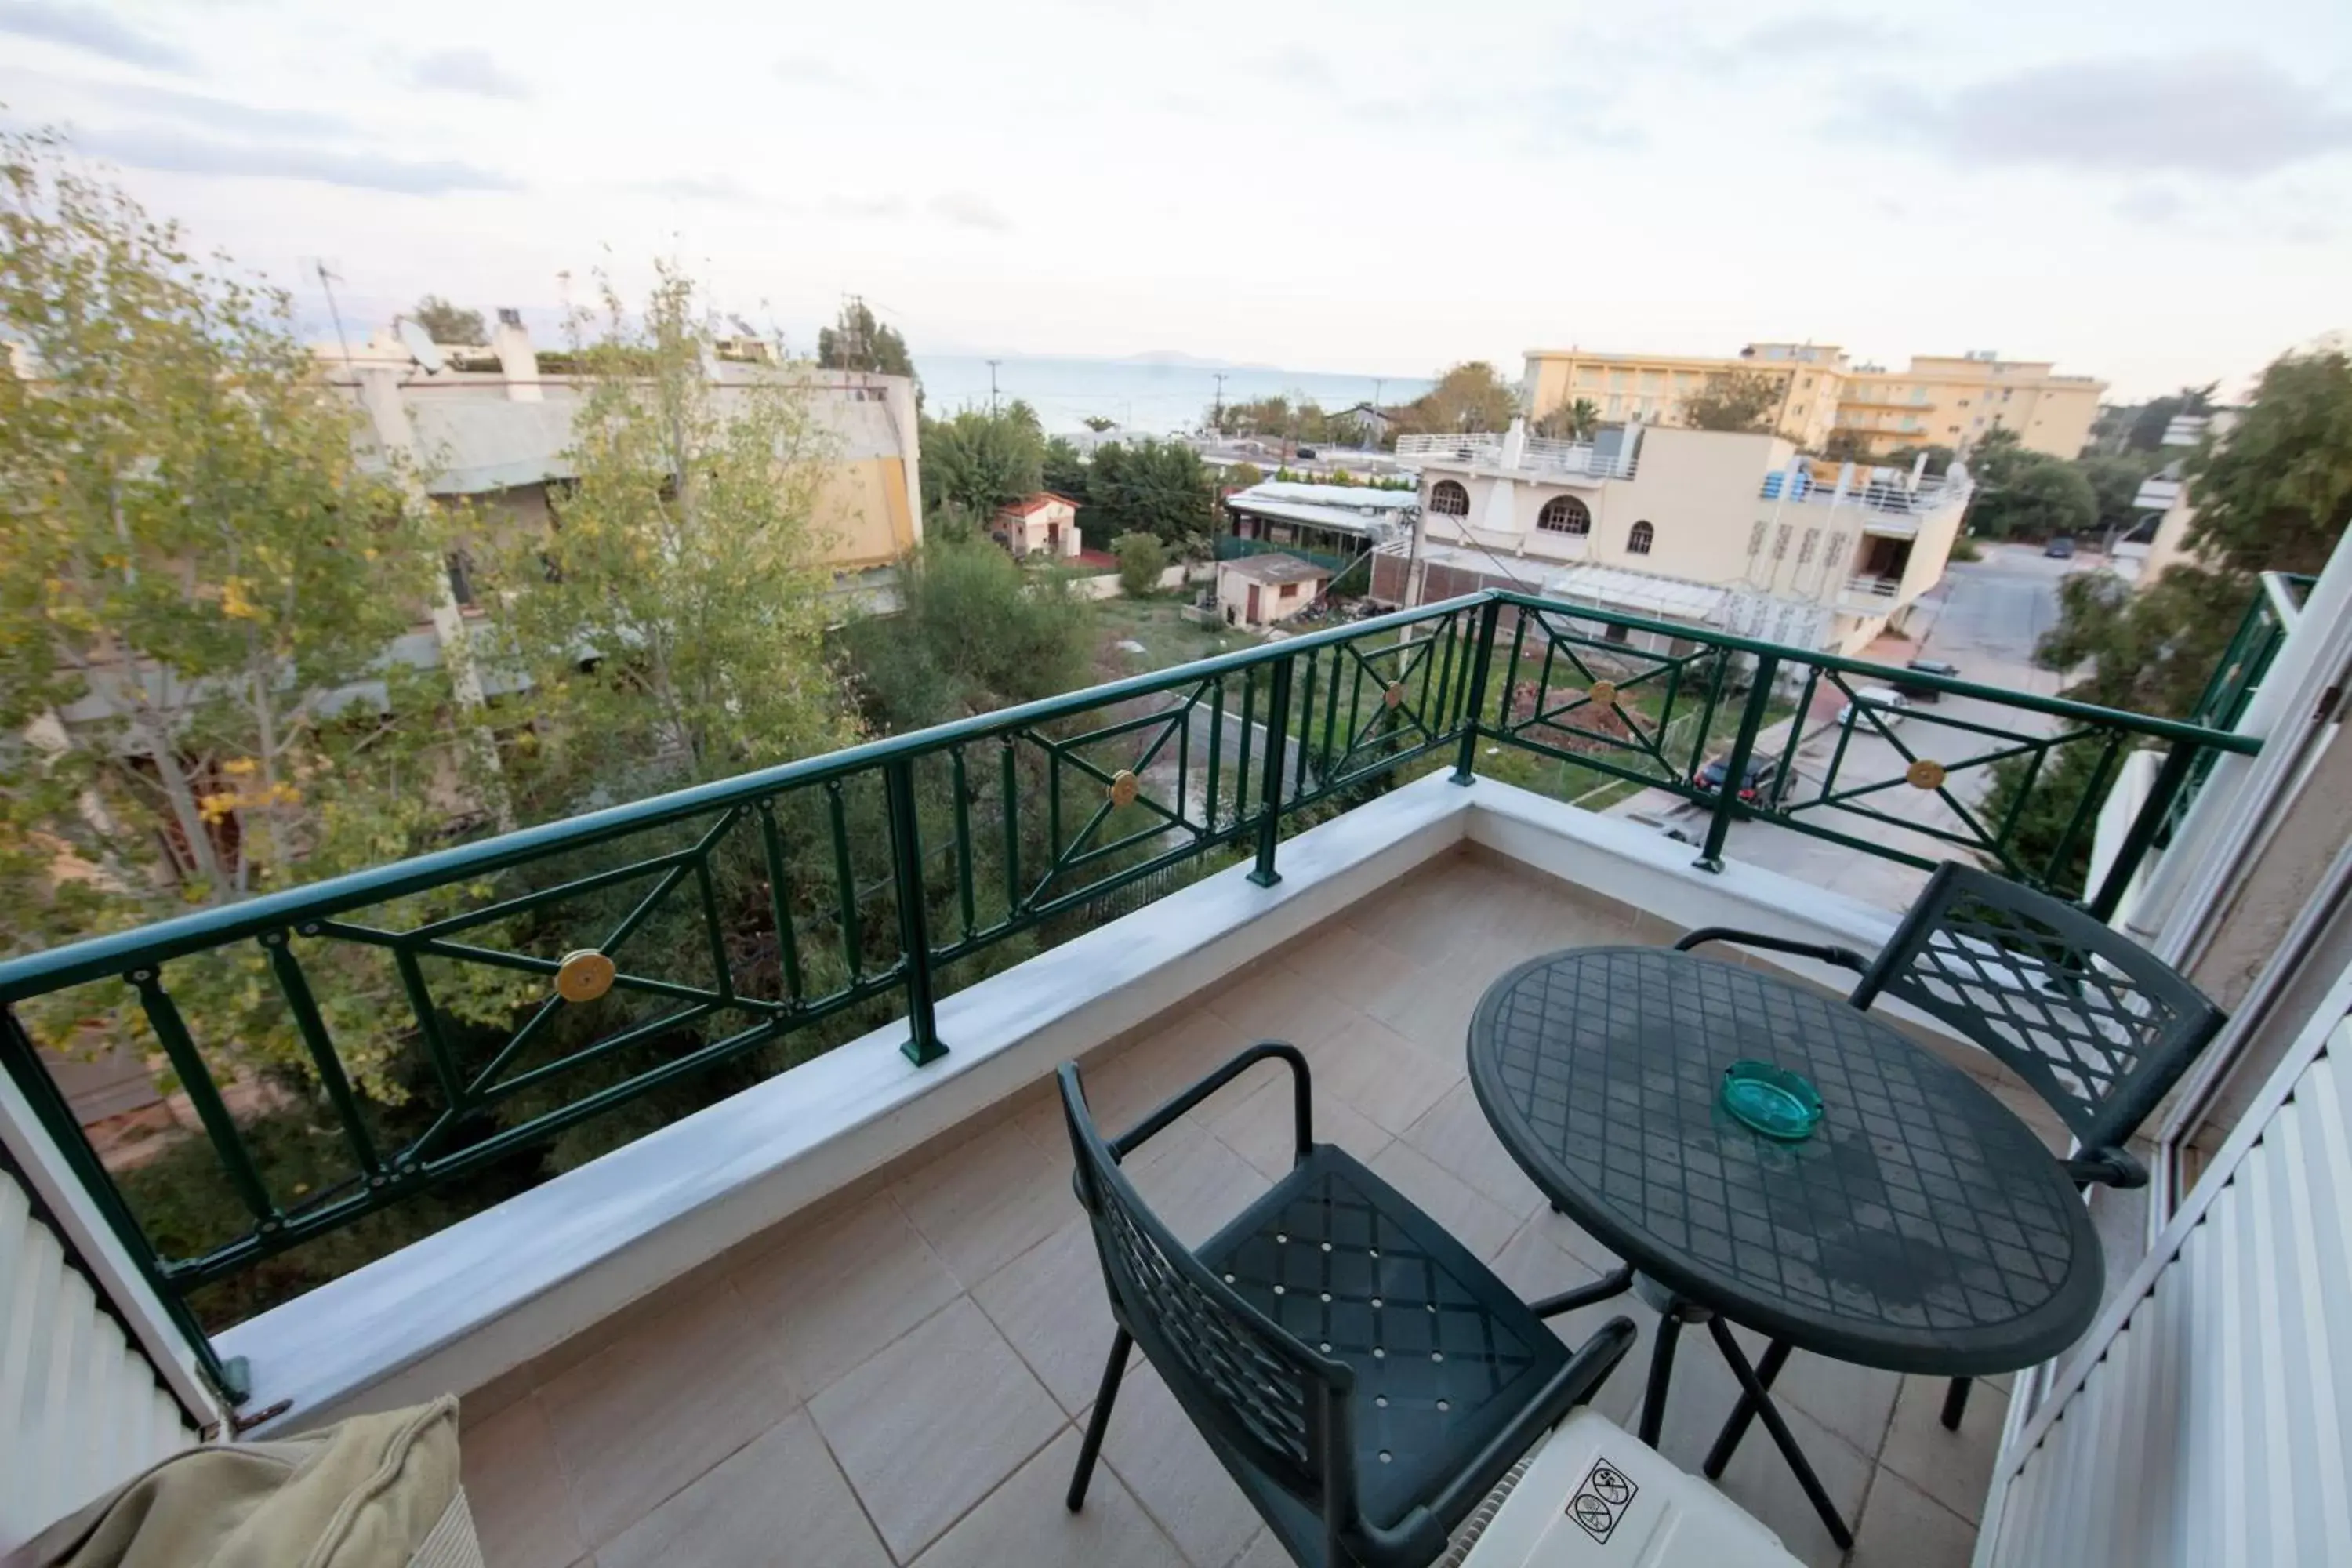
329 276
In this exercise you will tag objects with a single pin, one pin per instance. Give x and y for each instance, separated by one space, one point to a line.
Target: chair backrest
2097 1025
1255 1391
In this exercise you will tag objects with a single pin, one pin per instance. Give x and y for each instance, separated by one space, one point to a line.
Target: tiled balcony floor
903 1380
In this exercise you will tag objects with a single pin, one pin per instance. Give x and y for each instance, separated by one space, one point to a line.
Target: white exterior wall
2205 1419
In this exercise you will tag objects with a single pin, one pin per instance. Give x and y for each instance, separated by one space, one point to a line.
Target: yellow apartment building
1948 400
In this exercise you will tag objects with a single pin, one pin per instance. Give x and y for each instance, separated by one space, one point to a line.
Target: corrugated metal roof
1639 592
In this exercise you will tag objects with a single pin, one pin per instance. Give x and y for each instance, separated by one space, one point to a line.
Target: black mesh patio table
1921 1227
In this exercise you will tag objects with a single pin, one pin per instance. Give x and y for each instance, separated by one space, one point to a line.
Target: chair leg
1727 1442
1955 1402
1661 1372
1783 1438
1616 1282
1113 1370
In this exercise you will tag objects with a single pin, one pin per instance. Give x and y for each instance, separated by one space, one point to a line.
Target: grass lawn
1168 638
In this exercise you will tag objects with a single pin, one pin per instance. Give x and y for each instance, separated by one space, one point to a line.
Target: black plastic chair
1362 1376
2095 1024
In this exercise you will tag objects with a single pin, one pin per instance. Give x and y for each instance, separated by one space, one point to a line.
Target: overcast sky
2156 193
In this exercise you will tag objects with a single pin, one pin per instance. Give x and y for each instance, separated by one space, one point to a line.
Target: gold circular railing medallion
1925 774
1602 692
1395 695
584 975
1124 788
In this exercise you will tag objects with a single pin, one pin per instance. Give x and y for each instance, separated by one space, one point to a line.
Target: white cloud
184 154
965 210
88 28
469 70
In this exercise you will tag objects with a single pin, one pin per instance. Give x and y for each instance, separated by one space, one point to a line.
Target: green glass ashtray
1776 1103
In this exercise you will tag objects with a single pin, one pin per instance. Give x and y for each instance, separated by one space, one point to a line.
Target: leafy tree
2145 651
1848 443
2036 497
1064 471
2149 424
193 551
978 462
1159 488
1939 457
1471 395
686 561
1277 416
857 341
973 633
2115 480
1141 559
1734 400
445 323
1242 476
2274 494
1574 420
1097 424
2042 821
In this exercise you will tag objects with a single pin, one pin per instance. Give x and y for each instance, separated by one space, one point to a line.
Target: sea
1156 397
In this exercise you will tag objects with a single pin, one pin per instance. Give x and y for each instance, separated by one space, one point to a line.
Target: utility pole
326 283
1217 418
992 386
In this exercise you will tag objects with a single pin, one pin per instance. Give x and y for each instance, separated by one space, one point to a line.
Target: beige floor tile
1456 1135
1273 1002
988 1201
1262 1129
1953 1468
1574 1239
1265 1552
1346 964
1476 1222
1147 1074
1435 1013
514 1485
779 1500
1758 1479
927 1428
1387 1078
1193 1182
1903 1527
1152 1446
836 1296
641 1418
1535 1268
1855 1402
1052 1305
1024 1522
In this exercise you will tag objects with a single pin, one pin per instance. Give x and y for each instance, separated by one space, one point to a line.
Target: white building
1818 554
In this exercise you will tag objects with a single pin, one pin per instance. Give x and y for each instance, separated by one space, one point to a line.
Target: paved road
1984 618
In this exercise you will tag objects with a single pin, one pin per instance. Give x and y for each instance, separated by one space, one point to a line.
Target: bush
1965 549
1141 559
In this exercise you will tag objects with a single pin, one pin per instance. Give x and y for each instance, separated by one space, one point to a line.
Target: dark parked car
1920 691
1763 773
2061 547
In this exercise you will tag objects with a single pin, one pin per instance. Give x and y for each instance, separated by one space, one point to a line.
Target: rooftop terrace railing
547 977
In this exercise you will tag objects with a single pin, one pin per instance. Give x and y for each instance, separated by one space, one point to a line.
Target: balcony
852 1305
1891 508
1539 454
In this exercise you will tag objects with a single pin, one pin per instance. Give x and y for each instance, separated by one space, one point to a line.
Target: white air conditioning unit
1596 1497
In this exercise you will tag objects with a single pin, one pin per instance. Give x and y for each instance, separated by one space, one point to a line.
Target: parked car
1922 691
1889 704
1763 774
2061 548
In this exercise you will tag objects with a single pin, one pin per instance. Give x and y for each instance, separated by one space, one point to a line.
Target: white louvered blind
2209 1423
80 1409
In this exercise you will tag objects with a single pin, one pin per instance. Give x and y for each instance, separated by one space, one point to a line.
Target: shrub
1141 560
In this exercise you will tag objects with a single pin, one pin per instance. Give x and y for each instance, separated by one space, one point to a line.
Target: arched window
1564 514
1450 499
1638 542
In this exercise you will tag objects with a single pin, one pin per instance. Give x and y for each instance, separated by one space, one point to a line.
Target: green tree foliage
2149 421
191 546
686 567
973 633
1242 476
1159 488
976 462
1734 400
1572 420
1141 559
2115 480
1848 444
2036 497
1274 416
445 323
2274 494
1097 424
2043 821
2144 651
1471 395
857 341
1939 457
1063 471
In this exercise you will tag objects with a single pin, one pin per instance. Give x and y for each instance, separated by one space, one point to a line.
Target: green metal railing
549 976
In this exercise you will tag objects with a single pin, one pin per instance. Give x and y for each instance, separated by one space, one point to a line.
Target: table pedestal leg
1727 1442
1756 1394
1661 1372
